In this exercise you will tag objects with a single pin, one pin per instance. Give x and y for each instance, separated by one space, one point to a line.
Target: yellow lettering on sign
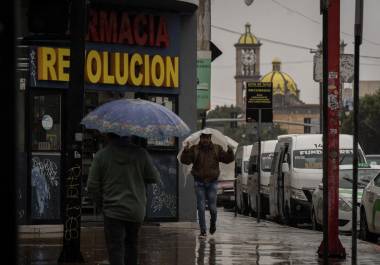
63 62
106 77
119 67
157 70
113 68
172 75
136 59
93 67
146 70
46 61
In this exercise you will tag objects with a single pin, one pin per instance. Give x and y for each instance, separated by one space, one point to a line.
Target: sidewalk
238 240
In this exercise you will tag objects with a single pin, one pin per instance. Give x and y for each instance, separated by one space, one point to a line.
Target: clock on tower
247 63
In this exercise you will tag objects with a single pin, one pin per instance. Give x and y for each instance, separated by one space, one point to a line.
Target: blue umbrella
138 117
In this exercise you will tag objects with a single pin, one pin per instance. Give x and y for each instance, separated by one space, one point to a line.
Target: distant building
368 87
247 63
287 106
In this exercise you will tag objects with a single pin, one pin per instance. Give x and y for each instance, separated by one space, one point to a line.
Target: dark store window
46 123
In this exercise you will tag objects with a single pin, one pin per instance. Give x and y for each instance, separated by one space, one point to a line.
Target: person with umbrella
117 181
120 172
205 157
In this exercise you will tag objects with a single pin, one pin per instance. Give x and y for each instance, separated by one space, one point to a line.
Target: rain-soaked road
238 240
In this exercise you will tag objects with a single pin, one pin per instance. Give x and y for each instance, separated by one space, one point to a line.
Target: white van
267 152
297 172
241 173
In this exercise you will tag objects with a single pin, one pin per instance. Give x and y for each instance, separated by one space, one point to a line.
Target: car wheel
365 234
314 223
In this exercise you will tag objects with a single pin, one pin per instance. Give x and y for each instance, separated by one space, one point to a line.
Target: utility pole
358 42
9 14
331 83
73 135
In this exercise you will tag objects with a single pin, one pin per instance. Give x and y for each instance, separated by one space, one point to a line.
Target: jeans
206 191
121 239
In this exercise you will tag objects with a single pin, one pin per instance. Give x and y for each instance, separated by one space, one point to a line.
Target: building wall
299 118
187 108
368 87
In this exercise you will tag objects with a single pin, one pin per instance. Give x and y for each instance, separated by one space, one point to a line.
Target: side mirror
285 167
320 186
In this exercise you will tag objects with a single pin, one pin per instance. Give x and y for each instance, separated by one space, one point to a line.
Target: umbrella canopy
138 117
217 138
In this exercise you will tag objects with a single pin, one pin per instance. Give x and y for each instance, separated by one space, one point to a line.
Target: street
238 240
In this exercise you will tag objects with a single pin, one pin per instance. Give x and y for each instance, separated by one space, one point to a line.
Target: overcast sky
292 21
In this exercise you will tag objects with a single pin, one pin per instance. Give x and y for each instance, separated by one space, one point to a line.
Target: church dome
247 37
282 82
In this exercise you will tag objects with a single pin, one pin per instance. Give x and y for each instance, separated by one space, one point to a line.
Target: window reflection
46 123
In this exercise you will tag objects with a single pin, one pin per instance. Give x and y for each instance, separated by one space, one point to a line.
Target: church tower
247 63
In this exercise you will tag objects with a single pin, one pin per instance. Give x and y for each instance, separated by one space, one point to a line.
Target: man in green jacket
117 180
205 158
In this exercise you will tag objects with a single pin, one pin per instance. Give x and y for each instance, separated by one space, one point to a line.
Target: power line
297 12
266 63
318 22
284 43
267 40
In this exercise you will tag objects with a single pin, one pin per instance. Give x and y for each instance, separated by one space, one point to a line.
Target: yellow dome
281 81
247 37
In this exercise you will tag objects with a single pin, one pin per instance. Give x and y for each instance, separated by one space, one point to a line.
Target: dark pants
121 240
206 191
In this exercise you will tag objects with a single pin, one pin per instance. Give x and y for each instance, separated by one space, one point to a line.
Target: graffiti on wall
45 181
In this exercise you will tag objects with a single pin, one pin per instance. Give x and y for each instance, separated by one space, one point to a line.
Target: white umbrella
217 138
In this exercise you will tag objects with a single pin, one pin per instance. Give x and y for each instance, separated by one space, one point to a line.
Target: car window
266 161
373 160
313 158
377 180
345 183
245 166
274 162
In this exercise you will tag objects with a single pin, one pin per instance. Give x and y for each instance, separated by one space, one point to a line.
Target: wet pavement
238 240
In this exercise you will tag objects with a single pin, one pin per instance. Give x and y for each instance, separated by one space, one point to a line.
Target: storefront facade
132 51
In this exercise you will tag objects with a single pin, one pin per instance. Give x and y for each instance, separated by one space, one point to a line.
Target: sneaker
212 228
203 234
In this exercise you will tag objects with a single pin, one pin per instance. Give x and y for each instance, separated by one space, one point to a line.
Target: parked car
226 187
267 152
370 211
365 174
